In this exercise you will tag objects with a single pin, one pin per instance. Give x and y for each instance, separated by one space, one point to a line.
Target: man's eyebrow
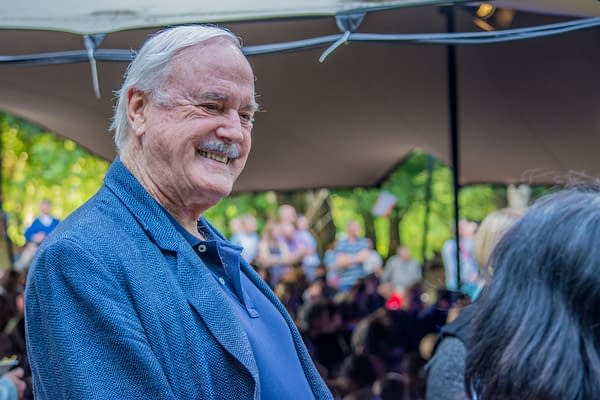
213 96
253 106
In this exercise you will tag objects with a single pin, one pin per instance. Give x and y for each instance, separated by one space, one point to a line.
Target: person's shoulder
98 238
393 259
449 355
451 347
445 371
100 219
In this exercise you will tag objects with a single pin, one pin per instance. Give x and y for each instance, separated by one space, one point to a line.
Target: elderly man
135 296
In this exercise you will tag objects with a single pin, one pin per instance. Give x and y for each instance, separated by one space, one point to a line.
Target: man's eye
247 118
211 106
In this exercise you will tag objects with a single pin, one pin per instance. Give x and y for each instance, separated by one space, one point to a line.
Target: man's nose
231 129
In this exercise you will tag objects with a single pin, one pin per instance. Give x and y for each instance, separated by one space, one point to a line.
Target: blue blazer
118 306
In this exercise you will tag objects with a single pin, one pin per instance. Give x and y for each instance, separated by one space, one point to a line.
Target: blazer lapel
209 300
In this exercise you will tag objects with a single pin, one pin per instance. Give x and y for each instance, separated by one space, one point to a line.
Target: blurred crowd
16 379
369 324
372 327
366 322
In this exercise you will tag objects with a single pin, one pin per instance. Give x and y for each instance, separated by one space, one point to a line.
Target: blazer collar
145 209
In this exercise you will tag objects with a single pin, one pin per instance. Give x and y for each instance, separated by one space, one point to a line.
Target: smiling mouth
214 156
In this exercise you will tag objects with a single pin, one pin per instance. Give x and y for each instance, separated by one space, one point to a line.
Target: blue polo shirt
280 372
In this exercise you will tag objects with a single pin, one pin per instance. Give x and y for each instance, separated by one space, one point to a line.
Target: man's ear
136 111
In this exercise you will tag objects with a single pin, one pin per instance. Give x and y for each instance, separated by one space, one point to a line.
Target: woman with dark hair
536 330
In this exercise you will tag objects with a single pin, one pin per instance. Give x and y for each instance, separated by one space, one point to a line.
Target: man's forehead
197 79
217 51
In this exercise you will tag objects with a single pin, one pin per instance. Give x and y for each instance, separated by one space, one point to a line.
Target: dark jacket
445 371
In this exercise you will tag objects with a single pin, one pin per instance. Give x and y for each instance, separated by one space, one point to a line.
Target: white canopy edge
86 17
89 17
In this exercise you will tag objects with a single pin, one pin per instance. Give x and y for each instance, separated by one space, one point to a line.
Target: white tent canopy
527 109
115 15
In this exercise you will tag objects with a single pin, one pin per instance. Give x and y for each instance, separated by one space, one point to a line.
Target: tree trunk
369 222
395 219
295 199
321 220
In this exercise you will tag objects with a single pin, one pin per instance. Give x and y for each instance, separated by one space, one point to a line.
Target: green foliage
408 184
346 205
37 165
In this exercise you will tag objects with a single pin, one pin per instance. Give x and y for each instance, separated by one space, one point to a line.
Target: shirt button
221 280
201 248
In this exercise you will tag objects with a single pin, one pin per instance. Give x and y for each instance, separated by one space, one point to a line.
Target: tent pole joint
347 23
91 43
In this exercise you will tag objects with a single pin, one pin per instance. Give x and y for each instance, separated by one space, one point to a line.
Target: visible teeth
214 156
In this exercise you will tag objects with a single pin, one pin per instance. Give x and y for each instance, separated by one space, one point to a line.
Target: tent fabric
529 111
115 15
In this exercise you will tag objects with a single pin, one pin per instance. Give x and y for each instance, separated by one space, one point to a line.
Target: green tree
37 164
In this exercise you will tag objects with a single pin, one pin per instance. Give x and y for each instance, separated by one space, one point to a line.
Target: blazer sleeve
84 338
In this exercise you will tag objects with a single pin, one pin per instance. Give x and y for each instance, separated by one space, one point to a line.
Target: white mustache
228 150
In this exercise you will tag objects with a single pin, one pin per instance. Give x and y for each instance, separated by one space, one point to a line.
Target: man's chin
216 192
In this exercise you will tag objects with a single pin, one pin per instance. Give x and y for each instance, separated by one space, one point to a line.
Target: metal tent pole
452 80
428 184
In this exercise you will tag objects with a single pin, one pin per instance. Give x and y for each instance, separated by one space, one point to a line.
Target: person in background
136 295
392 386
536 327
287 214
469 269
373 264
356 378
41 226
446 368
251 238
246 236
310 257
329 264
273 256
288 237
12 385
235 228
401 271
350 254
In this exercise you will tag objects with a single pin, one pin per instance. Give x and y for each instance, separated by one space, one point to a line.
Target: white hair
150 66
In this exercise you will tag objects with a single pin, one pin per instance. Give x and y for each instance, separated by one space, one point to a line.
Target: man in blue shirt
135 296
42 225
